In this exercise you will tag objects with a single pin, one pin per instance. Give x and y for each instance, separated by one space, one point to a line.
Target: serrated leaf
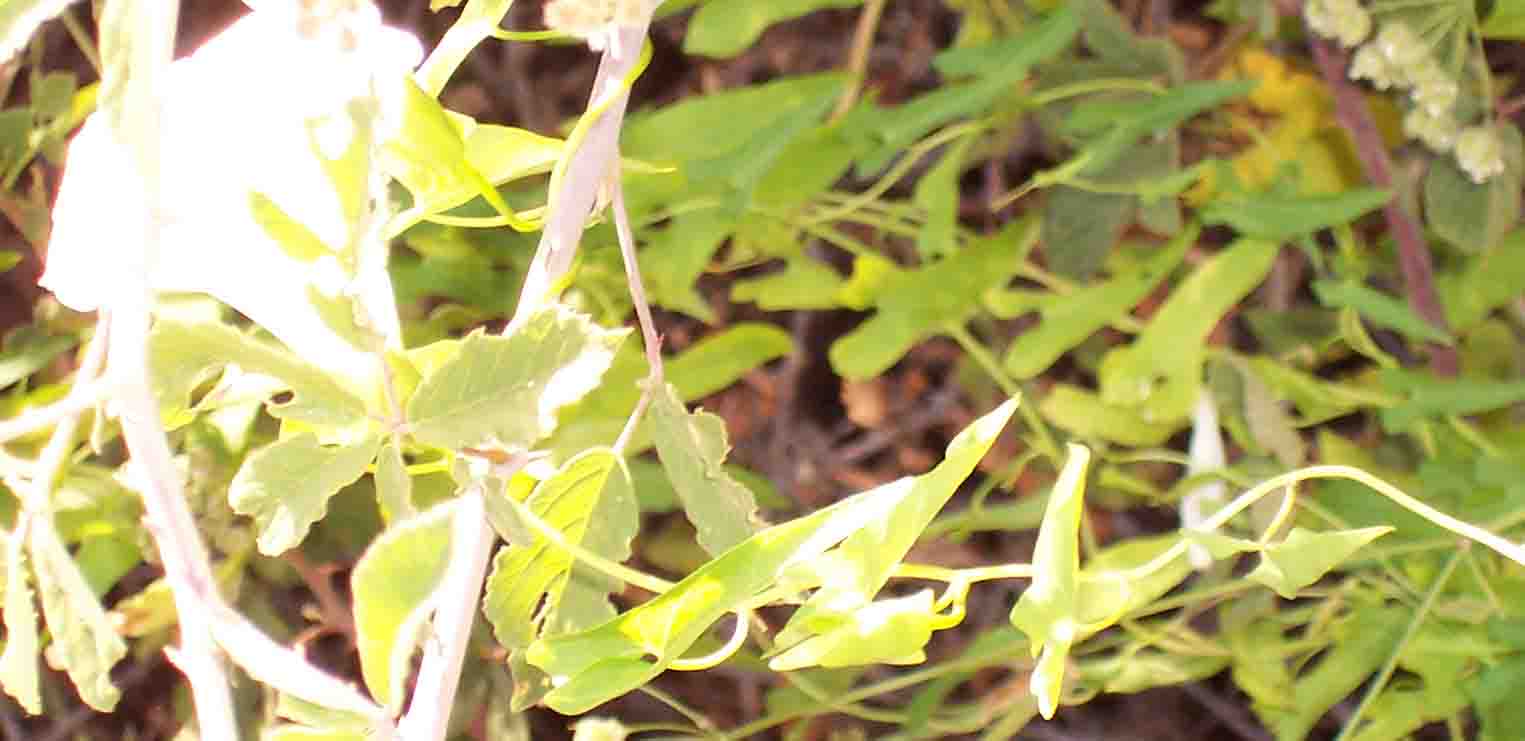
1160 374
1068 320
18 663
1474 216
692 447
1048 610
854 572
591 502
507 390
285 486
393 586
1279 217
598 664
87 644
1305 556
182 353
724 28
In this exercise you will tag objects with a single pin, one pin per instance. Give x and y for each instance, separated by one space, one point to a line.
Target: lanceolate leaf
507 390
182 353
598 664
1276 217
1305 556
692 447
18 664
591 502
87 644
1161 372
393 586
1049 611
853 573
286 485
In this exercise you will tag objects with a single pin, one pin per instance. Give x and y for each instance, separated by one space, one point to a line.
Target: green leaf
1001 66
917 304
18 663
1507 21
1161 372
1080 227
477 21
394 487
295 238
1068 320
591 502
1111 37
87 646
692 447
1474 216
393 585
183 353
854 572
718 360
285 486
1486 282
1361 644
1427 396
725 28
9 259
507 390
302 733
19 19
673 259
28 350
891 631
937 194
1084 414
1279 217
598 664
1130 122
1379 308
1305 556
1049 610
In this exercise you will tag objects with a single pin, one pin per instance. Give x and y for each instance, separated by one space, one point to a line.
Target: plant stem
857 58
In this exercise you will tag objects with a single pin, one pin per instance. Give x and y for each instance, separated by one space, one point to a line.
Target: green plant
411 444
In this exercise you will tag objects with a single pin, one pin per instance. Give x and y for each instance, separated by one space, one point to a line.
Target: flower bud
1369 64
1479 152
1438 132
1434 90
1403 49
1342 20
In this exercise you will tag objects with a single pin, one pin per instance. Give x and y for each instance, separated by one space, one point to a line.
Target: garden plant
1198 332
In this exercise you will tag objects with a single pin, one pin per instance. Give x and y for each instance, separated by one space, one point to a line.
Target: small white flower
1342 20
1434 90
596 20
1369 64
1438 132
1402 48
1479 152
240 117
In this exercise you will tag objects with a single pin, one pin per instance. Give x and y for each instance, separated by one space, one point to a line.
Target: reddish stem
1413 253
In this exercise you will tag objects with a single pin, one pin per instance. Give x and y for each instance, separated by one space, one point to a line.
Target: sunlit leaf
286 485
87 644
394 487
1049 610
890 631
477 22
18 664
595 665
183 353
302 733
507 390
692 447
393 586
1068 320
19 19
1305 556
1161 372
1084 414
589 500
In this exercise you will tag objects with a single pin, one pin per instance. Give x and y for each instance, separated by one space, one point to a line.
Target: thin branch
649 336
1413 253
84 395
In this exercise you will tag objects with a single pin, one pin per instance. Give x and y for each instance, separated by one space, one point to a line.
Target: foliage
1252 258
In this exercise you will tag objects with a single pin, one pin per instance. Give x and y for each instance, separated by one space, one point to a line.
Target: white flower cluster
593 19
1399 59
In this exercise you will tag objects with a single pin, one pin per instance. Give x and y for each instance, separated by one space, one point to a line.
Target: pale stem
471 542
649 334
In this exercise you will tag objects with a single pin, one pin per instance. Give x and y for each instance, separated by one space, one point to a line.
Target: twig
440 672
857 58
649 336
1413 254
